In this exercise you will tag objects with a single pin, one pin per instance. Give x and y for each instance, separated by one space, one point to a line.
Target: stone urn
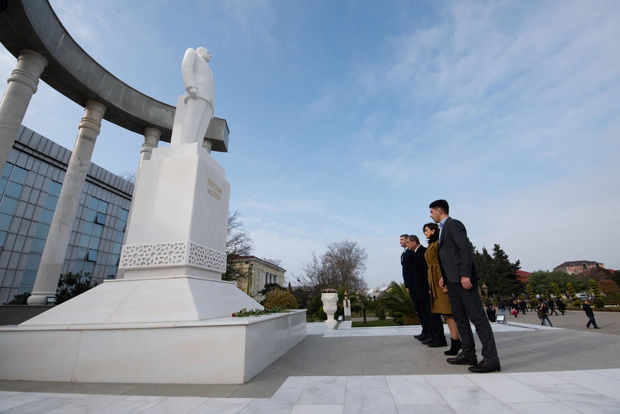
330 304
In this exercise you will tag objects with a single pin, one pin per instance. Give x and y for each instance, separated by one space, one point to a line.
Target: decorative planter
330 304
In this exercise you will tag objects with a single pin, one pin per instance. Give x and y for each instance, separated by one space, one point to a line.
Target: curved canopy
32 24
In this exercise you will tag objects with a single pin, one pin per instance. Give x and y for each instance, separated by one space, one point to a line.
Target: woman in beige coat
440 303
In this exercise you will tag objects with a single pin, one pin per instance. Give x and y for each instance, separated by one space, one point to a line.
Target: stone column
68 202
206 144
151 139
22 84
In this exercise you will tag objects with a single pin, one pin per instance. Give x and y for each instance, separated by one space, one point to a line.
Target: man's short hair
404 235
414 238
441 204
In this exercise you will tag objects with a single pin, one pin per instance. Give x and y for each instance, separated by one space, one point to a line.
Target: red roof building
523 276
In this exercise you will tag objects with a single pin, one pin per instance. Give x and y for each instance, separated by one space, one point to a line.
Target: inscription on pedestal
214 190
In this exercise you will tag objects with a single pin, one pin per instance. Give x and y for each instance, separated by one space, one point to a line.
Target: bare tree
342 265
238 243
129 176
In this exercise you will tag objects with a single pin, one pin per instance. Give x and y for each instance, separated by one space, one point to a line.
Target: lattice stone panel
139 256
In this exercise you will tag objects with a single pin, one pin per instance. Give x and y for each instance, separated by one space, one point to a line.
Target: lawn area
385 322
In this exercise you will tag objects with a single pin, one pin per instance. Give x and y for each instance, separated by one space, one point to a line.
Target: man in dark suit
415 273
455 253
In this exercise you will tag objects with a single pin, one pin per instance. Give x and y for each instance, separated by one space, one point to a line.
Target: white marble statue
195 110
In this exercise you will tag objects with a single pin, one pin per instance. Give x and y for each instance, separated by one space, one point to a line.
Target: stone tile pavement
373 370
583 391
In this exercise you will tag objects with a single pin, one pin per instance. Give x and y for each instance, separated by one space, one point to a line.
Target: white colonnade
22 84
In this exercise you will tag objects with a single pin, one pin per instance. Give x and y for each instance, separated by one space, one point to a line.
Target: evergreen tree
556 290
573 296
594 289
598 300
498 273
530 292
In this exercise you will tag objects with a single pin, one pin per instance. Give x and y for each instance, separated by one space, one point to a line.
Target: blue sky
347 118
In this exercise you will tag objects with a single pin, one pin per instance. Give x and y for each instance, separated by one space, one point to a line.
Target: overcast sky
347 118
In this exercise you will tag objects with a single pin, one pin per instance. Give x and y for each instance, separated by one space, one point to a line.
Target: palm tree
397 302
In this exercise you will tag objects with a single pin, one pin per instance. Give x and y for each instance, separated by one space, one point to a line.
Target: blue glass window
13 189
46 216
50 202
113 259
88 268
123 214
2 238
92 203
37 245
83 241
55 189
2 185
7 205
93 243
28 279
5 221
19 175
33 262
92 255
90 215
116 248
7 170
97 229
78 267
86 227
42 230
100 218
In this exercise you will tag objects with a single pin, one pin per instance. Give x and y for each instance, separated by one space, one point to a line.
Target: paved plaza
369 370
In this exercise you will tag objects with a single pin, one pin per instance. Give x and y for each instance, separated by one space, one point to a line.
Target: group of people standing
443 281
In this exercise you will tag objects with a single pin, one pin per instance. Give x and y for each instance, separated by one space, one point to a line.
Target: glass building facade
29 190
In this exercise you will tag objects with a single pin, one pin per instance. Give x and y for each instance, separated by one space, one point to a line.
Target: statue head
204 53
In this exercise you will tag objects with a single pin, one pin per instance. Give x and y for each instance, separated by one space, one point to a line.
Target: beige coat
440 303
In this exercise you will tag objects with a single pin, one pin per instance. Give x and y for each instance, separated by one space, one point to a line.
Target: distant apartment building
577 266
253 274
29 190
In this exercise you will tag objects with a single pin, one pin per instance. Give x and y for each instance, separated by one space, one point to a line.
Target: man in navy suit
455 253
415 274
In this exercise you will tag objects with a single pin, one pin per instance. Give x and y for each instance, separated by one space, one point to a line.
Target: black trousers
591 321
467 306
431 322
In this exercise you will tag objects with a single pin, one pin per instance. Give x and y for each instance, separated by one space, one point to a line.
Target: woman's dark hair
432 226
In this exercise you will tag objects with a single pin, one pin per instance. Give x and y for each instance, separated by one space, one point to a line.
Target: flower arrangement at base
257 312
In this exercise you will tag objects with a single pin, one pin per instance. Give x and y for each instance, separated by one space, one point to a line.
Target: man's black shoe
437 343
420 337
427 341
460 359
485 366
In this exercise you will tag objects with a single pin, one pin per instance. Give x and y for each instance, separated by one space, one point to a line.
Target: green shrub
21 299
380 310
280 298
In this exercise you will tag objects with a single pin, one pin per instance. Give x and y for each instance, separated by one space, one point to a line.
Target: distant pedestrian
551 307
491 313
561 305
590 314
515 313
523 306
543 314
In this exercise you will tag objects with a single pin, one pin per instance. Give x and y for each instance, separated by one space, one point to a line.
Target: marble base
142 300
156 330
217 351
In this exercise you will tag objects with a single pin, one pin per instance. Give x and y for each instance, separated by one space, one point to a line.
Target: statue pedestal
169 320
